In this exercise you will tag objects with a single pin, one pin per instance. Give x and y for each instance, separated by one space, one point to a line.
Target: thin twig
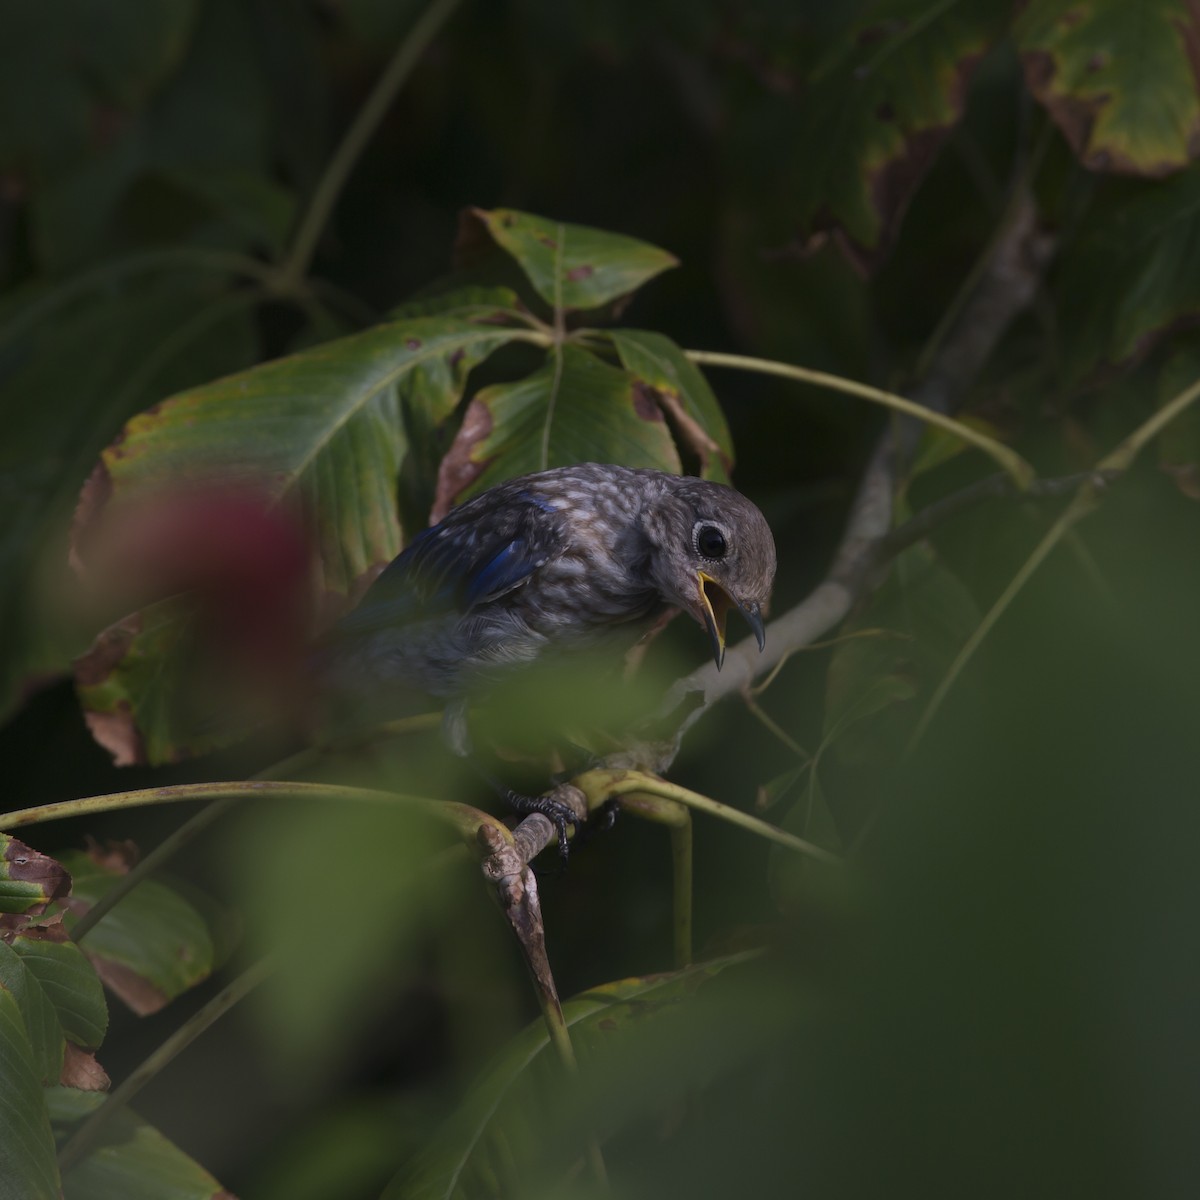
361 130
1015 466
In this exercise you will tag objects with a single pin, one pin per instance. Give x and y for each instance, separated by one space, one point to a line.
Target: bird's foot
557 812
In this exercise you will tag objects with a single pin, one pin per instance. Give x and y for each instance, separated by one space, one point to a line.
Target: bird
548 565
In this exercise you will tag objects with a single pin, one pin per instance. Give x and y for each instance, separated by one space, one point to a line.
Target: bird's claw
559 814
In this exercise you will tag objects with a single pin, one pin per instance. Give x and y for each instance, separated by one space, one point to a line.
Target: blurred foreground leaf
496 1140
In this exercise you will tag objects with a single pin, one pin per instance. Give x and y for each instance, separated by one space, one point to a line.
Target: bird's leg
560 815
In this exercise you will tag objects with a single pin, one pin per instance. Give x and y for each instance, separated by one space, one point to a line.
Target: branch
1005 287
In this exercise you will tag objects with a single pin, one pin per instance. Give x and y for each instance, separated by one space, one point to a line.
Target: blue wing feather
455 565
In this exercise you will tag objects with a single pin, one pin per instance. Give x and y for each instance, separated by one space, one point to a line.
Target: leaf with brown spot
81 1070
29 880
657 362
1134 112
154 944
319 432
572 266
877 111
585 411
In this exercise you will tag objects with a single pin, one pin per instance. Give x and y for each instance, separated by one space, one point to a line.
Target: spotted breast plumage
563 560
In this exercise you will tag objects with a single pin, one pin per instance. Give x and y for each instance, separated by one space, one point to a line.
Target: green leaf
574 266
320 427
151 947
133 1161
342 900
577 409
474 302
319 430
46 1040
500 1126
29 880
1132 274
878 109
1117 78
658 363
139 340
68 982
28 1170
430 395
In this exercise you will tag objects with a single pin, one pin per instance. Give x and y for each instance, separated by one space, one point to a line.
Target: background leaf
655 361
576 410
1137 113
878 107
572 265
153 946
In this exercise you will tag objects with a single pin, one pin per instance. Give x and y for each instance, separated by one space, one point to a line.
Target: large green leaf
320 427
573 266
574 409
140 340
321 431
28 1170
501 1126
29 880
133 1161
1119 79
1132 274
656 361
878 109
154 944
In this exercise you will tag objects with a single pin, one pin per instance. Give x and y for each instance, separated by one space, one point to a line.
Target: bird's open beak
716 603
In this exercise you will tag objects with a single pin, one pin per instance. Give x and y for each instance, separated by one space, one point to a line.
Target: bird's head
713 552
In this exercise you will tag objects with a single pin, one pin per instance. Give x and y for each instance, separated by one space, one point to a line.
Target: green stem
84 1138
1008 459
1122 457
466 820
681 878
146 866
361 130
1083 503
601 785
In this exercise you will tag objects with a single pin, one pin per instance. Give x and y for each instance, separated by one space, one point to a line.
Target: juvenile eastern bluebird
569 559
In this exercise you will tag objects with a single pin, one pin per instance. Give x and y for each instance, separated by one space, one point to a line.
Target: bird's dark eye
710 542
